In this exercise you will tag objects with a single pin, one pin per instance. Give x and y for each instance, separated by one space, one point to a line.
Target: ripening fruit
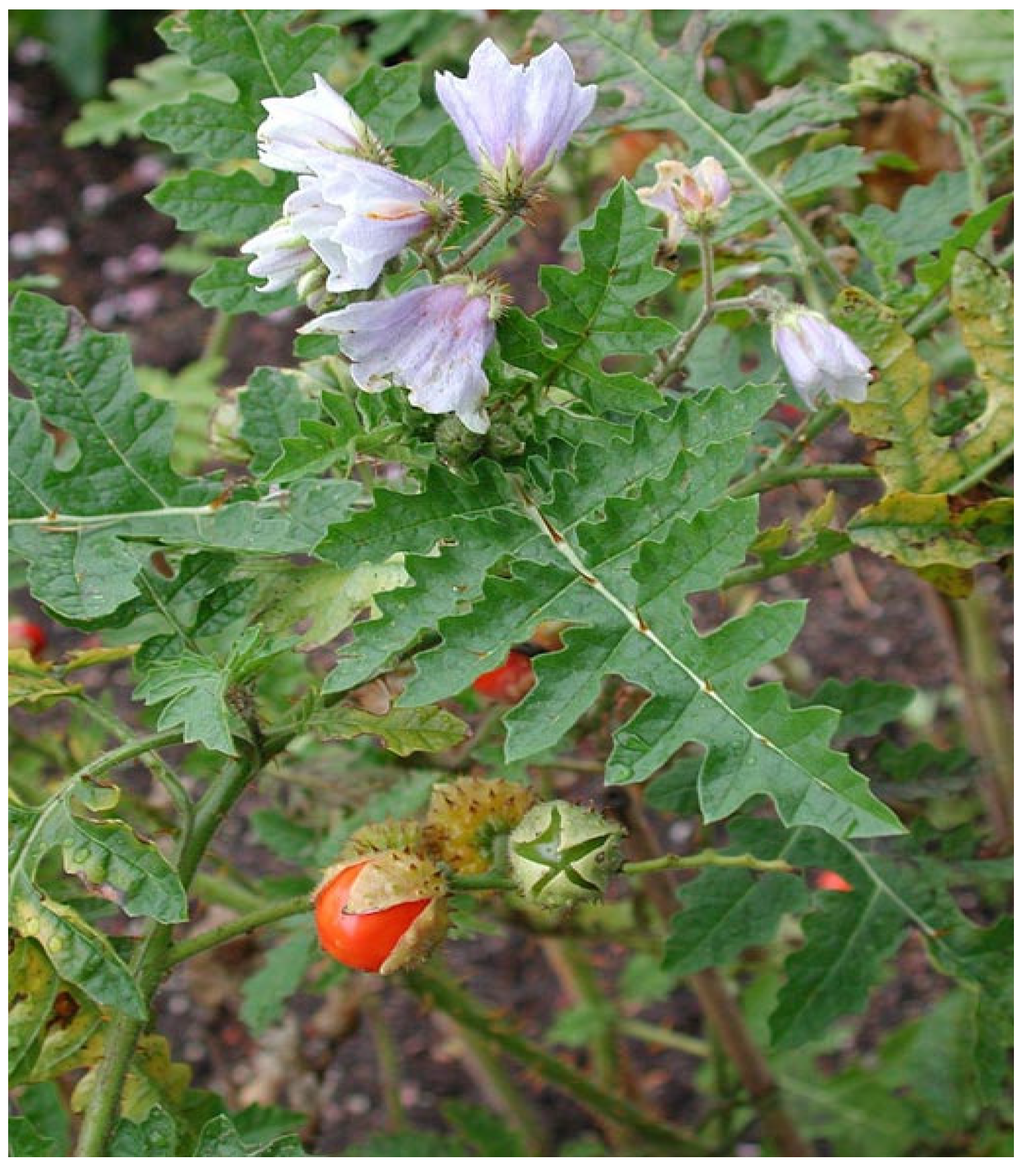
508 683
468 819
24 633
381 913
561 853
829 880
391 834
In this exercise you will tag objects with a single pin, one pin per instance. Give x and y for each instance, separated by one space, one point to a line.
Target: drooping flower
431 340
376 212
819 357
304 133
688 198
516 120
281 255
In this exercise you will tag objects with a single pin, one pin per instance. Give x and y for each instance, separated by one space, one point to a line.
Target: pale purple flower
376 212
819 357
304 133
281 256
688 198
527 111
431 340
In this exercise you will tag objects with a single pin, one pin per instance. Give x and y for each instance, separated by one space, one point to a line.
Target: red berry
789 414
23 633
388 939
508 683
828 880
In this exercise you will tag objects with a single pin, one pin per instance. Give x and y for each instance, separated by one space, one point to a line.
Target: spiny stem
704 858
771 479
440 991
486 236
671 363
233 928
655 1034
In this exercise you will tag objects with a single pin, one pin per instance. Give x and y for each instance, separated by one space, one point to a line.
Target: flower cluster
353 212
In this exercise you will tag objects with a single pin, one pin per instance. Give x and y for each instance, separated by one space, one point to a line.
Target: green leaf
258 50
111 854
726 911
161 82
623 576
27 1141
921 224
82 383
832 974
229 287
384 97
866 705
287 838
272 405
234 206
401 730
267 991
44 1107
591 313
195 688
156 1136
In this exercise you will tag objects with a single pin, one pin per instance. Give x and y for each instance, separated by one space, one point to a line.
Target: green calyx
561 854
882 76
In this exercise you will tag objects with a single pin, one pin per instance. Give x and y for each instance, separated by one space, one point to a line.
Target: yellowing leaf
921 530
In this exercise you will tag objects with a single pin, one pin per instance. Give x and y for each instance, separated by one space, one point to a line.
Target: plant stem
486 236
667 365
388 1065
233 928
149 961
496 1084
721 1010
703 859
657 1035
950 101
441 992
989 713
218 337
772 479
481 882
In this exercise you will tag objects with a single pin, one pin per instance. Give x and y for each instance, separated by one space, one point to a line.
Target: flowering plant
609 386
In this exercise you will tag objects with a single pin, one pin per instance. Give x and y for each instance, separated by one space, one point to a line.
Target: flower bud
689 199
381 913
467 820
819 357
880 76
563 854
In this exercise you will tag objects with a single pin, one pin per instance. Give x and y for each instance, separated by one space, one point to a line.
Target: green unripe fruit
879 76
562 854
